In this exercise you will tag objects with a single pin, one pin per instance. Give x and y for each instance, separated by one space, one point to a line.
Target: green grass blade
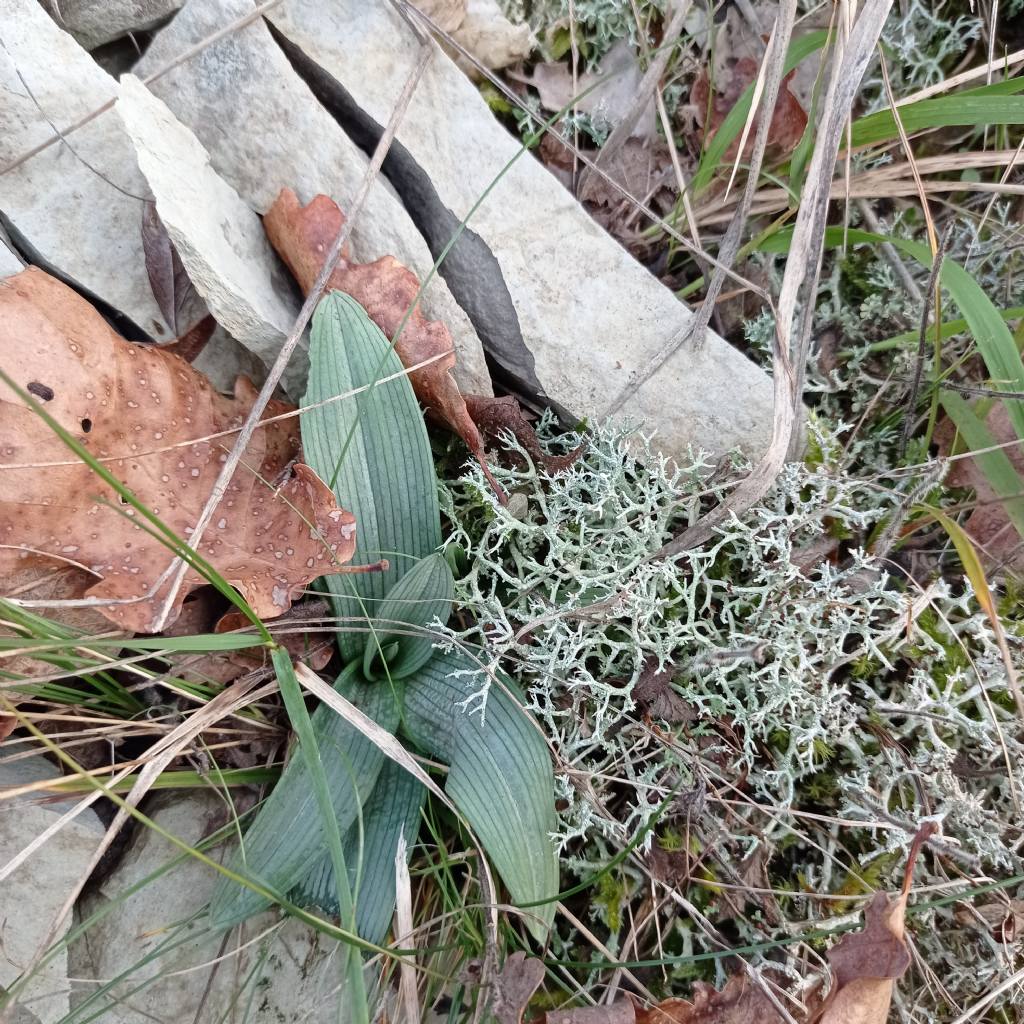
989 104
500 777
386 478
311 758
422 595
986 324
995 465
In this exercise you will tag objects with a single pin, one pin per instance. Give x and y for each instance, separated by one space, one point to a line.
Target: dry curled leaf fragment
145 413
514 987
388 291
494 416
866 964
989 523
178 301
789 119
741 1001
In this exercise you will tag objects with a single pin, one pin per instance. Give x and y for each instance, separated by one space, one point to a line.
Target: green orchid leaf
500 775
392 810
287 835
399 634
372 448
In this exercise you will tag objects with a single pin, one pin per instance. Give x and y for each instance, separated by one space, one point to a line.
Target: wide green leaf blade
373 450
996 466
287 835
988 104
399 634
392 810
500 777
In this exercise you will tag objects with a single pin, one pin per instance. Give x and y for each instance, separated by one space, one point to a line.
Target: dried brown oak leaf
866 964
789 119
303 235
740 1002
136 407
495 415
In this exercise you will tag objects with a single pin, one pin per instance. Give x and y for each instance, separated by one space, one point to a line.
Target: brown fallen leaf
54 582
988 524
302 236
741 1001
495 415
179 302
277 528
514 986
866 964
653 692
789 119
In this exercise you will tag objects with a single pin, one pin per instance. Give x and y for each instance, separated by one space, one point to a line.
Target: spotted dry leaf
302 236
137 407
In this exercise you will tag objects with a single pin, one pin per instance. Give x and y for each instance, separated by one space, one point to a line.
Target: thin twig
220 486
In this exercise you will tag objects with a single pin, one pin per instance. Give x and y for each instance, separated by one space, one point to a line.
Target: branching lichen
811 674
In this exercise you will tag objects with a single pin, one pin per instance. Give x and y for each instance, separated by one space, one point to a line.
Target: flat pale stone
264 131
219 238
9 263
591 315
289 975
79 203
34 893
95 22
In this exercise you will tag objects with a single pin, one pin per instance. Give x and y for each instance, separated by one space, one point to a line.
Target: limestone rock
77 204
568 298
95 22
34 893
264 131
219 238
288 973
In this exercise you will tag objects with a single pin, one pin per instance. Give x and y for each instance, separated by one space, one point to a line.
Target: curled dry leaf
988 524
789 119
302 236
495 415
138 408
740 1002
866 964
514 987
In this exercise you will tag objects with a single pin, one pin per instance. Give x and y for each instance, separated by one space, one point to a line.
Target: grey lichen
813 674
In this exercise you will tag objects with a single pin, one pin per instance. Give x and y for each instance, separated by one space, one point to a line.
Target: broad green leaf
500 777
399 635
393 809
988 104
373 450
732 125
995 465
287 835
986 324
